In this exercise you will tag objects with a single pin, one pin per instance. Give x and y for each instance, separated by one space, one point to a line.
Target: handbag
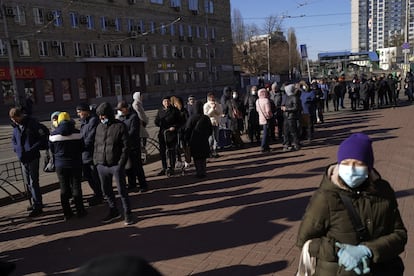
49 162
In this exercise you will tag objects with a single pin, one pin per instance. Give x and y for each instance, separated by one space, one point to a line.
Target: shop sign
23 73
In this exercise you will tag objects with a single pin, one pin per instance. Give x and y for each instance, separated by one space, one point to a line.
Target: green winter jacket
326 221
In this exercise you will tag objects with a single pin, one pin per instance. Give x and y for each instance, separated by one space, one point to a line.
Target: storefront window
7 90
49 91
29 89
82 89
98 87
66 90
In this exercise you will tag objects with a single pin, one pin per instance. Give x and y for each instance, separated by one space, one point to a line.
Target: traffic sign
405 45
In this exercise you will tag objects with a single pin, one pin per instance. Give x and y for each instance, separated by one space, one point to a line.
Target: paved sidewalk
241 220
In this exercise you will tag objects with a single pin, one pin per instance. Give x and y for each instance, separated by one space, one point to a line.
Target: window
3 48
136 80
181 29
20 15
49 91
154 51
57 18
74 20
118 24
59 48
163 29
118 50
173 51
90 24
156 1
66 90
143 51
152 27
172 29
164 51
92 49
131 25
77 49
98 87
107 50
43 49
82 89
208 6
191 52
38 16
193 5
175 77
199 53
166 78
198 31
213 33
104 25
132 52
176 3
24 48
190 31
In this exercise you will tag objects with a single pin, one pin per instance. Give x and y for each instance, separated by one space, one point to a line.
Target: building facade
67 51
381 24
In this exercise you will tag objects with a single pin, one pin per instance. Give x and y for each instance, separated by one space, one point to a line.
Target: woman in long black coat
197 132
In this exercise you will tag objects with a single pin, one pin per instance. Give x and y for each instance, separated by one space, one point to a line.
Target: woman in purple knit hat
352 225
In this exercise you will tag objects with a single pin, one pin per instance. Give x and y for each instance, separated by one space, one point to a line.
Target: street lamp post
268 57
10 56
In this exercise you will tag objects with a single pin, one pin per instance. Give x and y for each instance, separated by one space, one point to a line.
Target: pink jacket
263 106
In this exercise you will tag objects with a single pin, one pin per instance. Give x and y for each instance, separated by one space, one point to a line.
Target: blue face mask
105 121
353 176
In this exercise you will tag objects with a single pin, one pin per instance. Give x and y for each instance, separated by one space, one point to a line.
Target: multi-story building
381 23
66 51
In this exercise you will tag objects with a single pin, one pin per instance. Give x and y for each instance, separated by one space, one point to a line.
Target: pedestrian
28 139
110 156
253 127
291 108
168 120
134 169
138 106
214 111
66 146
197 132
89 121
264 109
352 224
191 101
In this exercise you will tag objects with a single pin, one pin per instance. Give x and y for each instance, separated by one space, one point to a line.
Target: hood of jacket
65 128
262 93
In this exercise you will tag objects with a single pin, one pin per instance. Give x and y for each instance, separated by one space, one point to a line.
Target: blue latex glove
363 267
350 256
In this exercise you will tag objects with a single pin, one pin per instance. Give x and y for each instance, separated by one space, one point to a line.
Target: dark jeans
31 179
106 173
136 170
70 186
265 138
90 173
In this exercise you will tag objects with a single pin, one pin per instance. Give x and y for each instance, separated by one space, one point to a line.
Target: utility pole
10 56
406 51
268 57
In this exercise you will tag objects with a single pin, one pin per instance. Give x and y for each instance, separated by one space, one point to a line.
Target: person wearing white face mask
352 225
110 156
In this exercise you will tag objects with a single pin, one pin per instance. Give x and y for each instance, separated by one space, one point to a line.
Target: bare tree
272 24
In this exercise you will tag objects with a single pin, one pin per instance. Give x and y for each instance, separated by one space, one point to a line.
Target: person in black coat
197 132
134 168
168 119
253 127
89 121
65 143
110 156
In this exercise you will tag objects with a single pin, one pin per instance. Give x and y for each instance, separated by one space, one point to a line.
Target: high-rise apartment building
66 51
381 23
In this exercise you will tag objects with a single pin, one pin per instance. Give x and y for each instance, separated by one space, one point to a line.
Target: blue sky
323 25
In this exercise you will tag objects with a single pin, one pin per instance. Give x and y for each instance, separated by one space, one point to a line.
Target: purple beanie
357 146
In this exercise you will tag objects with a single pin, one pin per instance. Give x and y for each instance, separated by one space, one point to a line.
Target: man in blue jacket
28 137
89 122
